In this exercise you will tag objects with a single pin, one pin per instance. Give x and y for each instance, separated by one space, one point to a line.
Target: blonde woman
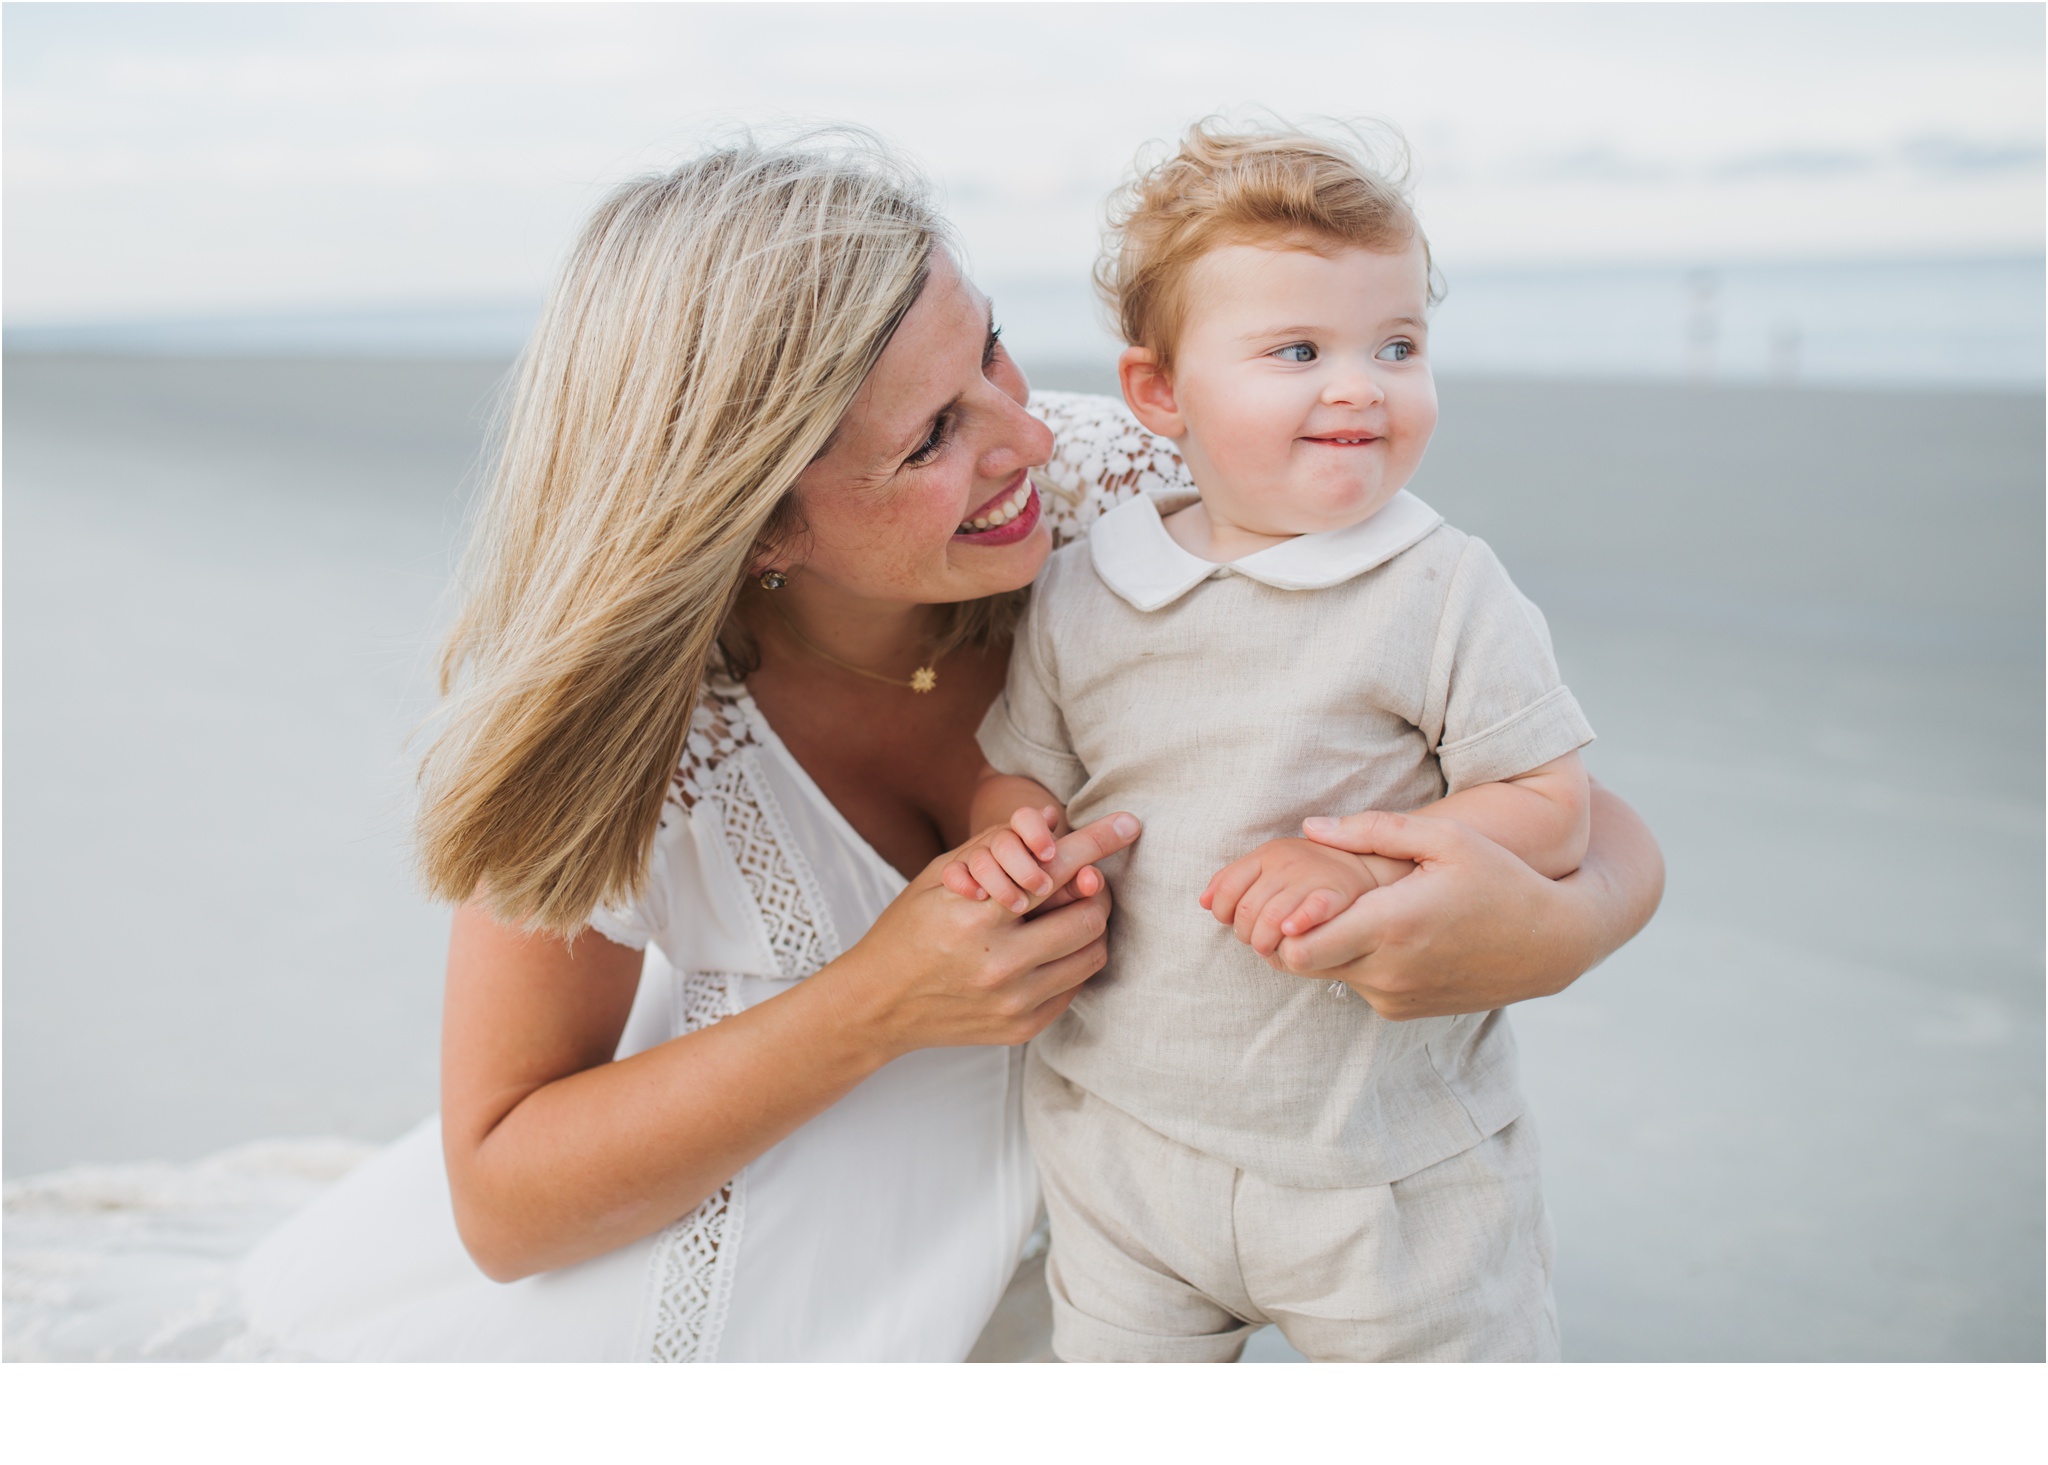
727 1073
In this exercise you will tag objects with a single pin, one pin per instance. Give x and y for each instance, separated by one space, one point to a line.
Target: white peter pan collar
1140 561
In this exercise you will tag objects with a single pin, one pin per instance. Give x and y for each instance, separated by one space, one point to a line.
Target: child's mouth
1361 440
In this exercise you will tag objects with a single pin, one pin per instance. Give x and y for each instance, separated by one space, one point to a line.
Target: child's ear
1148 392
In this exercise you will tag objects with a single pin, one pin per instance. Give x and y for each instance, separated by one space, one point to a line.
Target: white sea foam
113 1262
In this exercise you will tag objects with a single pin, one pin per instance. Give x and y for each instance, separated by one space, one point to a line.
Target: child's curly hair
1228 184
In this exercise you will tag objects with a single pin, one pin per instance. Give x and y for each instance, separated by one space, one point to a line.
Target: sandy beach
1800 1118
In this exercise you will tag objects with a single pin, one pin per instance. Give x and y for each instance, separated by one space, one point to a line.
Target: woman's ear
1148 392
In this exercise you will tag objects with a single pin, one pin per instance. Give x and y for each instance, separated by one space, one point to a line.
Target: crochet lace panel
694 1259
1101 456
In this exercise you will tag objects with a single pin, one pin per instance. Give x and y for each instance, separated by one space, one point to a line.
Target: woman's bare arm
556 1153
1474 928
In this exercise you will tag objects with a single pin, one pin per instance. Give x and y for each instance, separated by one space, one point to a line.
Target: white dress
884 1229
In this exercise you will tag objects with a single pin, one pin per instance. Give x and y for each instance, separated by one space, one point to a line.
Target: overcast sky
187 158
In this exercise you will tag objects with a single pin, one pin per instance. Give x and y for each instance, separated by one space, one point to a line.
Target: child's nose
1353 385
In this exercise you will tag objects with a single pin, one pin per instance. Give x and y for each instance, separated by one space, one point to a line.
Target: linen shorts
1163 1254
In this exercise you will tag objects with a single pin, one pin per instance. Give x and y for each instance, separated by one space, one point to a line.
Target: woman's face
936 443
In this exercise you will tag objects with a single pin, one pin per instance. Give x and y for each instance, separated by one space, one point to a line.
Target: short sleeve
1024 732
638 921
1101 457
1494 693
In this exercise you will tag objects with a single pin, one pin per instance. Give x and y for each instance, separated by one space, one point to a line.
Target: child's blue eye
1287 353
1397 351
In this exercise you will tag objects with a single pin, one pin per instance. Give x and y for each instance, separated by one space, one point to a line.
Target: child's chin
1337 511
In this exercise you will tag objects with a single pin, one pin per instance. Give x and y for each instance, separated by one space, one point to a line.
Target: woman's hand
1474 928
941 970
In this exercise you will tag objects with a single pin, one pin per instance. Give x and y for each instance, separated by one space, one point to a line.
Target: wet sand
1800 1118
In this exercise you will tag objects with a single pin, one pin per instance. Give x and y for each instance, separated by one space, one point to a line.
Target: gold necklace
924 679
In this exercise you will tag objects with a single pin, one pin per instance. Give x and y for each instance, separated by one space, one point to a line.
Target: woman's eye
932 445
1397 351
1299 351
995 344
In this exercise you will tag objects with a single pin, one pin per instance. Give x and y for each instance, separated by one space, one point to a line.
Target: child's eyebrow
1267 333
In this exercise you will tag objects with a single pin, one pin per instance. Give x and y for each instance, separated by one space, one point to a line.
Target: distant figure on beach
1224 1144
728 1070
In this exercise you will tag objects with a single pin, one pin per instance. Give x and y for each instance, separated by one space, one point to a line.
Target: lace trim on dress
692 1266
694 1259
718 729
1101 457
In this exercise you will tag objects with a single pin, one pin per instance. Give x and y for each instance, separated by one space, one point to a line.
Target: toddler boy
1223 1143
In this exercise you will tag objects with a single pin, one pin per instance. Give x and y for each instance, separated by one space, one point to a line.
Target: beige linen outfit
1223 1144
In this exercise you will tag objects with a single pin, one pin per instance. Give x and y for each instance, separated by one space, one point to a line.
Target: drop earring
773 580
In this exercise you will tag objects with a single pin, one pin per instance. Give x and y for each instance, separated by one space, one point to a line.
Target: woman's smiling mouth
1011 515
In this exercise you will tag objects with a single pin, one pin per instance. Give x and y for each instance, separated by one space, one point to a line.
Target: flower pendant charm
923 679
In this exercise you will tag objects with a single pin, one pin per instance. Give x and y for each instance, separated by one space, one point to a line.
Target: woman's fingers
1056 984
1047 1013
1091 842
1312 912
1052 934
1418 837
1352 933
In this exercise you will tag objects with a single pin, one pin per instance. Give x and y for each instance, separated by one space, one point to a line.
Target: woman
727 1073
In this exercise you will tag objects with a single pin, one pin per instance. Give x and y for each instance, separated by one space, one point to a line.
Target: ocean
1910 325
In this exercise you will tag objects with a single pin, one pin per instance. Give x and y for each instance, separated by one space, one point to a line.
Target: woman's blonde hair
706 335
1248 184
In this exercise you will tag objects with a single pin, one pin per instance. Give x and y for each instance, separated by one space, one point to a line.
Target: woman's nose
1022 442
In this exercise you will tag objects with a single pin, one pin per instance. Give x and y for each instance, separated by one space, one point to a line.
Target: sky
168 159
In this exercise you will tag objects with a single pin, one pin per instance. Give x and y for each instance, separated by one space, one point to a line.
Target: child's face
1302 383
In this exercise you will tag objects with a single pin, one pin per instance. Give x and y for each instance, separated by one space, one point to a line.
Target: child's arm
1287 887
1544 815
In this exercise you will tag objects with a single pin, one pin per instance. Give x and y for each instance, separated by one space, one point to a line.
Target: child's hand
1284 888
1006 863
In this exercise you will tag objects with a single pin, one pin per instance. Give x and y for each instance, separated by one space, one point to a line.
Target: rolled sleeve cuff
1009 751
1547 728
615 926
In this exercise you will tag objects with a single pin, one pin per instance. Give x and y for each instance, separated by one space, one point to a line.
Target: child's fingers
1253 904
1264 935
1034 827
955 877
1316 908
1020 864
1227 888
996 881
